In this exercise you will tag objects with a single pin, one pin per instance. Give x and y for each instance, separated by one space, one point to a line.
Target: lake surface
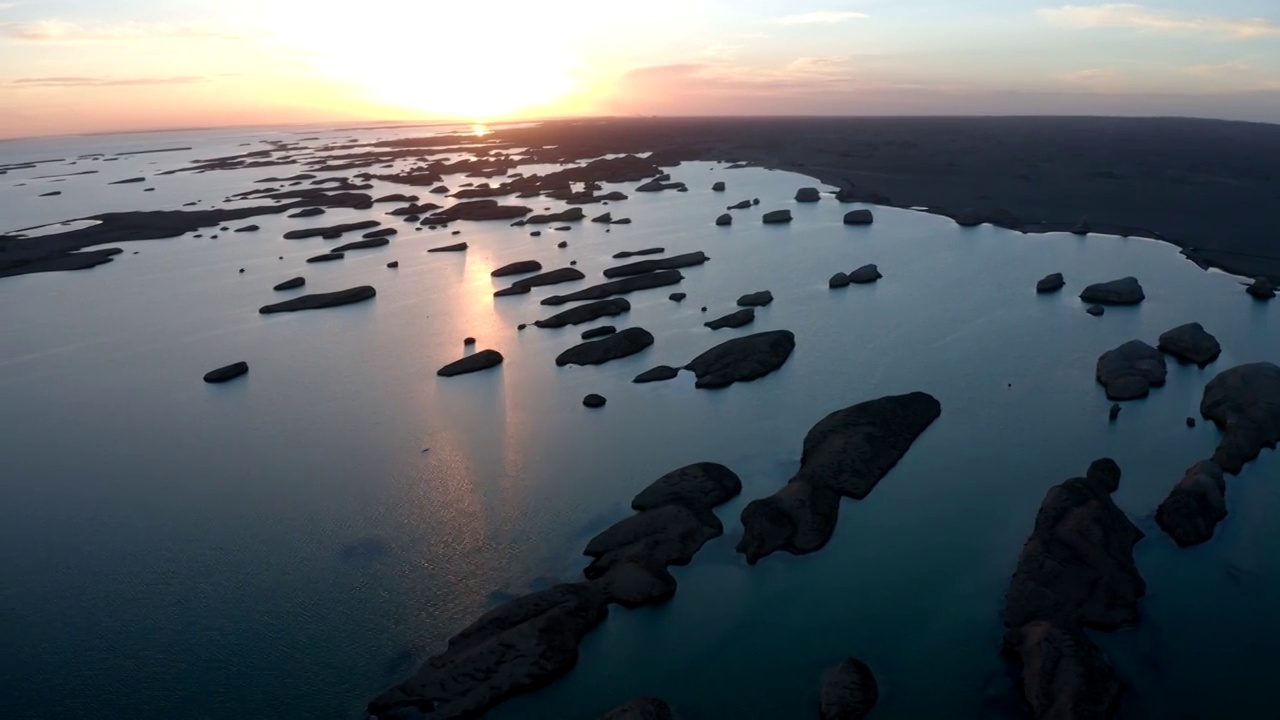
290 544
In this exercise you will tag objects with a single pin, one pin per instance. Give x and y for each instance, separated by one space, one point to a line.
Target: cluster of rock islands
1076 573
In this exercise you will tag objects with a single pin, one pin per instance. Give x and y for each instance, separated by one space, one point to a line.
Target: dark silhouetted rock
362 245
1244 402
718 187
641 709
743 205
677 297
808 195
597 352
647 266
658 185
586 313
606 218
969 218
457 247
571 215
1063 675
1131 370
479 210
468 341
633 253
737 319
849 691
291 283
1083 227
619 287
482 360
327 257
1190 343
1261 289
553 277
1195 506
517 647
308 212
865 274
229 372
594 401
658 374
838 280
333 231
1095 310
393 264
321 300
776 216
384 232
1114 412
128 181
743 359
1191 422
562 244
1125 291
517 268
598 332
846 454
756 299
725 219
247 228
1051 283
859 217
1077 567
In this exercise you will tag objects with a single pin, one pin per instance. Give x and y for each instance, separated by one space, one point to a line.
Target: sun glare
479 130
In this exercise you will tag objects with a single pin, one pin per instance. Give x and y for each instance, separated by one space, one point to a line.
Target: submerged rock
647 266
586 313
743 359
1077 568
1195 506
482 360
1244 402
737 319
859 217
756 299
1051 283
517 268
594 401
225 373
849 691
865 274
619 287
776 216
1063 675
808 195
641 709
846 454
1125 291
291 283
597 352
1190 343
1095 310
1131 370
321 300
1261 289
1114 412
725 219
659 374
1083 227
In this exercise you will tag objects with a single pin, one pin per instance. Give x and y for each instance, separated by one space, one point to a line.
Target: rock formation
1131 370
586 313
756 299
737 319
849 691
291 283
865 274
776 216
476 362
1125 291
742 359
517 268
661 373
647 266
1051 283
597 352
1244 402
859 217
619 287
1195 506
225 373
321 300
1190 343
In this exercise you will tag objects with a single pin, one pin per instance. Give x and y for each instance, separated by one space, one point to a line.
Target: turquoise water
282 546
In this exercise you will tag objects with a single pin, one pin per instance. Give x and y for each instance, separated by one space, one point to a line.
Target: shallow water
287 546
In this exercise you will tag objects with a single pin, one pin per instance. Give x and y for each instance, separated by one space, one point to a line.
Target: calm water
282 546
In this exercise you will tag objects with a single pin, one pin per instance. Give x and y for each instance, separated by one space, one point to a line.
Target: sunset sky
71 66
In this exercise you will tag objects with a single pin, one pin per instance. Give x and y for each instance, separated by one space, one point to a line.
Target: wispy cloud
87 81
54 31
821 17
1143 18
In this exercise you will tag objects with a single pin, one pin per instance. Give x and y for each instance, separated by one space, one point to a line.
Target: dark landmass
1149 177
482 360
775 217
641 267
226 373
1244 402
846 454
1076 571
619 287
742 359
1195 506
849 691
306 213
597 352
586 313
384 232
321 300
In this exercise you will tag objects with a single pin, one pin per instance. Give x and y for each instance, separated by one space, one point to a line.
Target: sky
82 66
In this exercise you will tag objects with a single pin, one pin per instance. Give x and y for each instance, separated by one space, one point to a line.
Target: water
289 544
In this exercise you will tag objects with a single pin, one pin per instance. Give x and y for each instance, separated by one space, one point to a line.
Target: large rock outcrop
597 352
1195 506
737 319
1051 283
845 454
1190 343
621 286
517 268
1125 291
1244 402
476 362
1063 674
641 267
321 300
859 217
774 217
1131 370
808 195
865 274
586 313
551 277
849 691
743 359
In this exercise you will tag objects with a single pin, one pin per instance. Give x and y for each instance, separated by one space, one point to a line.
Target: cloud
55 31
85 81
1128 15
821 17
1219 69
